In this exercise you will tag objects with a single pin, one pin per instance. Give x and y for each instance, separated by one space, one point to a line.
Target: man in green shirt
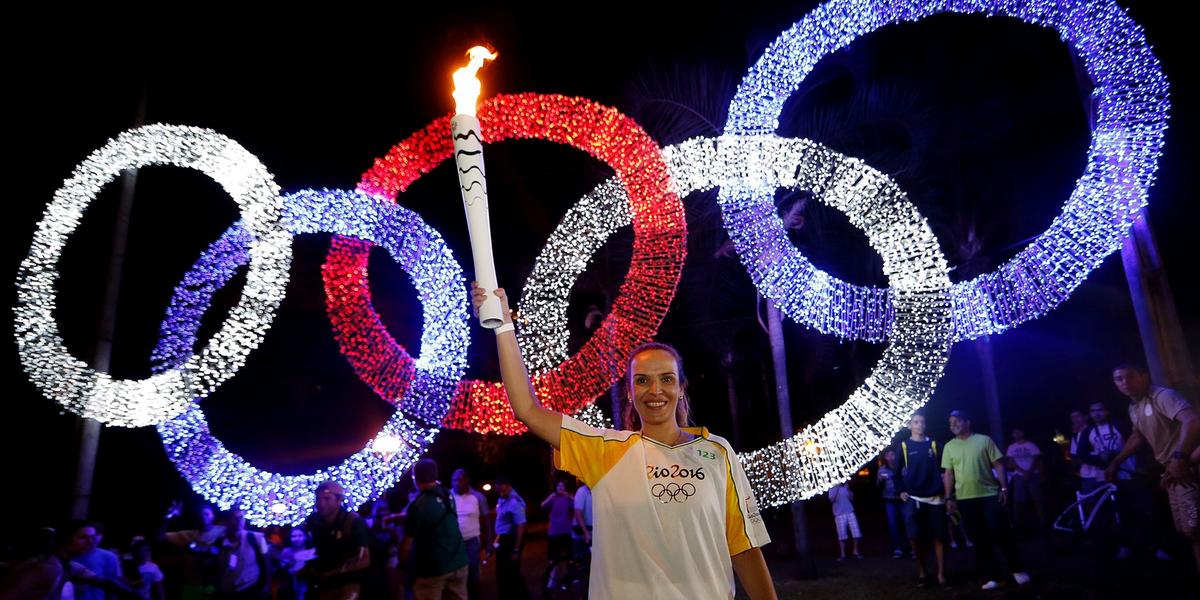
433 540
341 543
973 489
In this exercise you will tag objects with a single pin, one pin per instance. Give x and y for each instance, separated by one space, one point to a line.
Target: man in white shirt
1025 460
472 509
1097 446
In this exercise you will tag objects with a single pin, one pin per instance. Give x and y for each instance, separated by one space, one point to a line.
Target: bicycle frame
1102 495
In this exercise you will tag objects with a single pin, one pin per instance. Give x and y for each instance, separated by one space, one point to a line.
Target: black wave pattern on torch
468 135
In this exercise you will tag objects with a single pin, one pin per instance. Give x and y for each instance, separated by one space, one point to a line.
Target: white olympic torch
472 178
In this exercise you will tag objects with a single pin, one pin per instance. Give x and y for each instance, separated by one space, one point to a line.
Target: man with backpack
921 491
245 571
433 545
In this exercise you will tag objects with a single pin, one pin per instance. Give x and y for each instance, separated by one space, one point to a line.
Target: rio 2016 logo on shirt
673 471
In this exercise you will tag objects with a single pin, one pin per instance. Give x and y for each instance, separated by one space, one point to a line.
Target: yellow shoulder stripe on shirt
590 455
736 534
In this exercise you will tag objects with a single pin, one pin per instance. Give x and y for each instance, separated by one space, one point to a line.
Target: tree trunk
991 388
805 566
89 430
1167 354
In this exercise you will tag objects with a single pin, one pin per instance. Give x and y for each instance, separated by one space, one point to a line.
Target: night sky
979 120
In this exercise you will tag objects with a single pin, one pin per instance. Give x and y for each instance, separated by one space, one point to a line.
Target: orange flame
466 84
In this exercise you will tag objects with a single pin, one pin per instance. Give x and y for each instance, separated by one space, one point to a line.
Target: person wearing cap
973 488
342 544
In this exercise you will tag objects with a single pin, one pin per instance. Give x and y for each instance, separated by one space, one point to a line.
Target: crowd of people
434 547
968 484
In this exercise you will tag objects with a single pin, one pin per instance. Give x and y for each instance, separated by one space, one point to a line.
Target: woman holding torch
674 513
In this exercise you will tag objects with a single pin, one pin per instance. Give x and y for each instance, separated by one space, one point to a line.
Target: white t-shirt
151 575
1108 439
667 518
1023 453
467 506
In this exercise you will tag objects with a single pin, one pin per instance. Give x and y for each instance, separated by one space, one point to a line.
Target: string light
1130 100
591 415
659 247
919 315
225 478
135 403
836 447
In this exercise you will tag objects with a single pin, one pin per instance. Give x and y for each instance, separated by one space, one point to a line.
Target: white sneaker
1022 578
991 585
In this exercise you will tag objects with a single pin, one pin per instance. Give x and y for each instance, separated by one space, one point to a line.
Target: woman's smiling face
655 386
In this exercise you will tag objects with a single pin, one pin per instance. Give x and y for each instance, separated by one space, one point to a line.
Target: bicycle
1080 517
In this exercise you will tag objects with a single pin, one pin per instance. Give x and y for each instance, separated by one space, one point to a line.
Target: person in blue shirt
102 562
510 540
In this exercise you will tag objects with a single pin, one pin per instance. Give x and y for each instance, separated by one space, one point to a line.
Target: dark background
980 121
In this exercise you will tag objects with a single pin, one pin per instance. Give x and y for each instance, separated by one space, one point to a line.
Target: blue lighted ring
223 477
1131 100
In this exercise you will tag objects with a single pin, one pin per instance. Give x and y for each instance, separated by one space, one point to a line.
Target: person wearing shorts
1168 423
921 491
844 519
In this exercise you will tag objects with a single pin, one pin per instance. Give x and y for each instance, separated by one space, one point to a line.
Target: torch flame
466 84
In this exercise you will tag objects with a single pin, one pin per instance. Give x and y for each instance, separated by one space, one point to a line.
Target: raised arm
543 422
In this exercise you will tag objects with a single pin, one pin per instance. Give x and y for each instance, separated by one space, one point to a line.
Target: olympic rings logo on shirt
672 492
921 314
